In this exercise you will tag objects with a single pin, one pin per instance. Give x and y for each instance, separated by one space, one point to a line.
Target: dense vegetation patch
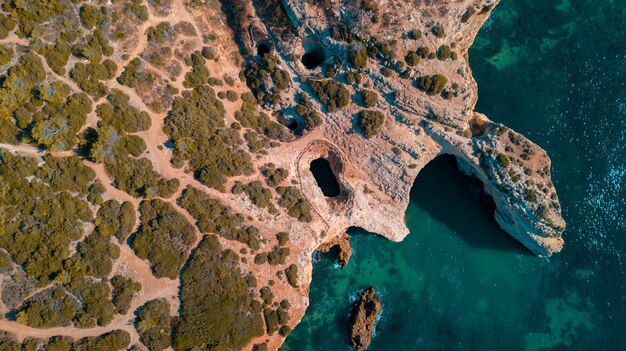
163 238
196 126
38 224
260 122
266 79
218 309
153 323
274 176
116 219
214 217
52 307
432 85
332 94
291 199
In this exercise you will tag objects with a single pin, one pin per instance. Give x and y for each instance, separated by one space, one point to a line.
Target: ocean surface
556 72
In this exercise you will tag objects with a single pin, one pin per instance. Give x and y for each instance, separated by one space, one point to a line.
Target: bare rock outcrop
363 318
342 244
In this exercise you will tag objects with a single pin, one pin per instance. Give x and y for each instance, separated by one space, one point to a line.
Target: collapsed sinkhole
325 177
313 57
263 48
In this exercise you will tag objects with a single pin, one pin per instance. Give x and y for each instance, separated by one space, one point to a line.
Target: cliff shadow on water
459 202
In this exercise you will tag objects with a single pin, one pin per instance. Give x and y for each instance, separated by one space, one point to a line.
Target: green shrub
292 200
124 289
153 323
120 114
292 275
331 93
163 238
93 256
503 160
412 58
423 52
92 16
444 52
111 341
6 53
432 85
7 25
96 306
260 122
273 176
415 34
160 33
199 74
137 8
282 238
370 122
54 219
196 126
94 49
88 76
358 57
529 195
369 98
312 120
438 31
281 79
116 219
256 192
467 14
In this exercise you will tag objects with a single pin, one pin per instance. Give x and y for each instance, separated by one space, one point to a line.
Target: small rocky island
171 166
363 317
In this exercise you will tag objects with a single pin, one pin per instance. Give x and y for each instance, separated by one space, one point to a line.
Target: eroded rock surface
363 318
342 245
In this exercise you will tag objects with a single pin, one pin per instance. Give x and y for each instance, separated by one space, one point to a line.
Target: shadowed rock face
363 318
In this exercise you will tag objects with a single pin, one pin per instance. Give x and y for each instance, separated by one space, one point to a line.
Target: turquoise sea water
556 72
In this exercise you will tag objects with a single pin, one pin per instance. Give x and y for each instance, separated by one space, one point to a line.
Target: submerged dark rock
363 318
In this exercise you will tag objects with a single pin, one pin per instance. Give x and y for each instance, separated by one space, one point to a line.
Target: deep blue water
556 72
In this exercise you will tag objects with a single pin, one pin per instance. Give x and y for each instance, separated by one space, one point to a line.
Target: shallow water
556 72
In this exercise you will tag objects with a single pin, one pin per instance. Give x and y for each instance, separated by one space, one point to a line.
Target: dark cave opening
313 58
262 49
293 124
325 177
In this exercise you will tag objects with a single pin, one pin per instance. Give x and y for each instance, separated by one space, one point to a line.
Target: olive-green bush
432 85
274 176
370 122
153 323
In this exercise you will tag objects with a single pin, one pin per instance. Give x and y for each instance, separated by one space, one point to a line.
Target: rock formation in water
363 318
342 245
